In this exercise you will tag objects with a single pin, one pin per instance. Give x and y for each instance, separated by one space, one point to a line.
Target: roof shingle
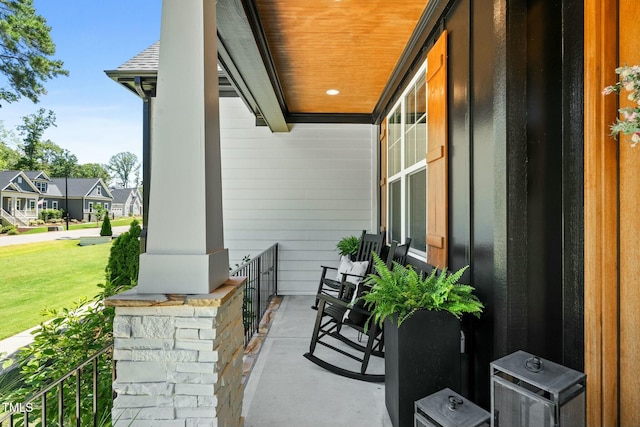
147 60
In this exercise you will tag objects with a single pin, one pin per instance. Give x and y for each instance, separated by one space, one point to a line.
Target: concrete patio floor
285 389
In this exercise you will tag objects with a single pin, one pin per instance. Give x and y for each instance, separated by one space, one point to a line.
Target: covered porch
18 209
284 388
477 141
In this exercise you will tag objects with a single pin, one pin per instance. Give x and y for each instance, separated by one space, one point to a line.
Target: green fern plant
348 245
402 291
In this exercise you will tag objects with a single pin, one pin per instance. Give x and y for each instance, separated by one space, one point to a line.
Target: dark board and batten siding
515 176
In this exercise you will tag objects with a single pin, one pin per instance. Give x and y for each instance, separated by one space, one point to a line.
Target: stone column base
178 358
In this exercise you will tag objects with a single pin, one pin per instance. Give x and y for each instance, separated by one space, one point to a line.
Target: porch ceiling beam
330 118
242 58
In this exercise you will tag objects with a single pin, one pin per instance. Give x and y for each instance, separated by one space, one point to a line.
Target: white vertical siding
304 189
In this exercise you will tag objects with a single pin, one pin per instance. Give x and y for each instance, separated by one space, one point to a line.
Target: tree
63 164
106 226
26 51
121 166
49 153
8 156
32 129
93 170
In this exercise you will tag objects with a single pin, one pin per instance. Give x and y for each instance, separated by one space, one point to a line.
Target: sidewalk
56 235
10 346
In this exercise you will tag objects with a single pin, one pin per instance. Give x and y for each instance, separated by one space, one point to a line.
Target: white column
185 245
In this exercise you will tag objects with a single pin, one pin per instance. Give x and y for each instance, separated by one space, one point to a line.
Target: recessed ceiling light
333 92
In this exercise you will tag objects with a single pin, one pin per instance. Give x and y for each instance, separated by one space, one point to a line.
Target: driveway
56 235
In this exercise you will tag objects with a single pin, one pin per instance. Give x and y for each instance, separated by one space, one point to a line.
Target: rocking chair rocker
332 316
334 313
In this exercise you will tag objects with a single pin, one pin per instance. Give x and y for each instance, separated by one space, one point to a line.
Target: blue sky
96 118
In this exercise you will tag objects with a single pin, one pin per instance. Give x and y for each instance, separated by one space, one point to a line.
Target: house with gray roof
81 197
23 194
18 198
126 202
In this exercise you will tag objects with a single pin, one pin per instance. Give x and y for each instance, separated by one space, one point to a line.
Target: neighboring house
126 202
19 198
25 193
40 179
83 196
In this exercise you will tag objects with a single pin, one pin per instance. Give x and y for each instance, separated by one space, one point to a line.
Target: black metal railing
50 406
262 283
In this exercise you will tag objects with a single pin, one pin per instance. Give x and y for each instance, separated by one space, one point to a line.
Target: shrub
7 228
122 269
48 214
106 226
13 232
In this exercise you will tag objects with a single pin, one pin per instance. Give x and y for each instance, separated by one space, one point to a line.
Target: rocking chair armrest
344 276
358 309
342 303
325 268
333 300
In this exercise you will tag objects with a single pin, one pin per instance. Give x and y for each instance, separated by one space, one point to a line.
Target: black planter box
421 358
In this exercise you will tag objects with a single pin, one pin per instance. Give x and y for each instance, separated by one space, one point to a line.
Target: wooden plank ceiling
348 45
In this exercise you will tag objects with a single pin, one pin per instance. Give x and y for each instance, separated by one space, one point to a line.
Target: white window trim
405 172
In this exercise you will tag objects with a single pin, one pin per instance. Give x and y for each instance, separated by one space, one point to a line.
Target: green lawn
43 275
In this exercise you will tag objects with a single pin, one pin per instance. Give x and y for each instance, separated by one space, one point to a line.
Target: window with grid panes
406 167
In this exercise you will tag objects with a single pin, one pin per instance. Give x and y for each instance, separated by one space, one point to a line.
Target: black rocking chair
332 316
401 252
369 243
334 313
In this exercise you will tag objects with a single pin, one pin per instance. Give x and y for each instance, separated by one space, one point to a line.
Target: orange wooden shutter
383 175
437 157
